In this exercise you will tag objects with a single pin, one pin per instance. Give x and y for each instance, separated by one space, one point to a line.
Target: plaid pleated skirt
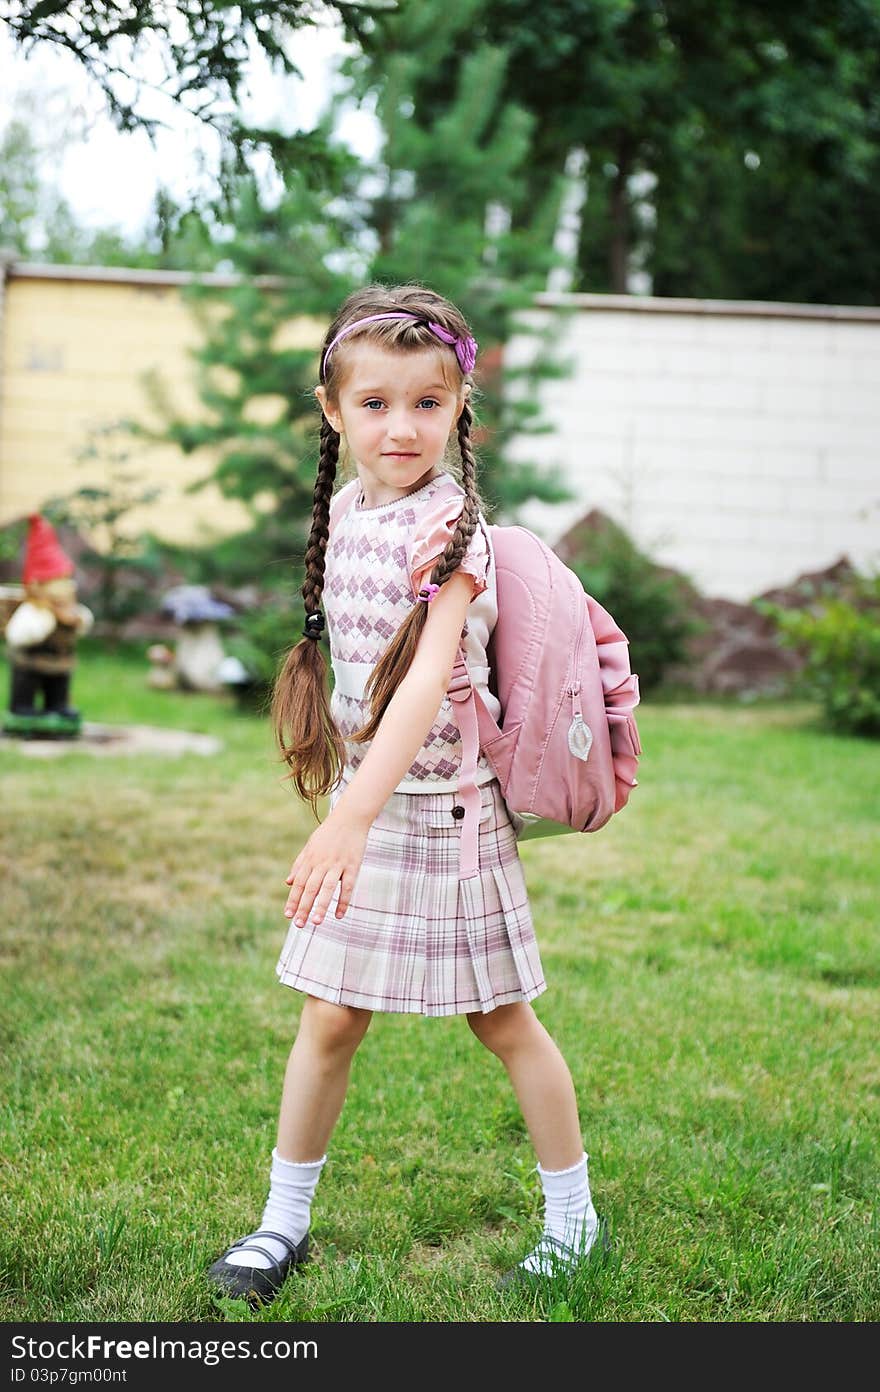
416 938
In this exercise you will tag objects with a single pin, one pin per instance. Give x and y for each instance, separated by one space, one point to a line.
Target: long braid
304 728
316 550
470 512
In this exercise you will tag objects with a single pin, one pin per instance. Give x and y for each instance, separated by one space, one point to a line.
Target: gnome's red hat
44 557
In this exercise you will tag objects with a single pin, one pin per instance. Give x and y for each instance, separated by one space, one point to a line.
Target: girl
381 919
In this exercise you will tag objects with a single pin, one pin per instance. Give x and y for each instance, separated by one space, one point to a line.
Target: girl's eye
370 404
429 401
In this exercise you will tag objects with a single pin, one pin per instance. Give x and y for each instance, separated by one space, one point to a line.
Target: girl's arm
335 850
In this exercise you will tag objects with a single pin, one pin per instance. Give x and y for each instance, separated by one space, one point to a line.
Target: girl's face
396 412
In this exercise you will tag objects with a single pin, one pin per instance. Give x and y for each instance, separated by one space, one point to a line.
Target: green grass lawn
713 979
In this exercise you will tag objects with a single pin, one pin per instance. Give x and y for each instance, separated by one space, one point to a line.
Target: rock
835 579
741 653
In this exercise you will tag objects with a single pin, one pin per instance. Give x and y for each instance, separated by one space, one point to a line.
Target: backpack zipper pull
580 736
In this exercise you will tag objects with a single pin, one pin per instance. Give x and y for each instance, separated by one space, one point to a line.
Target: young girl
381 919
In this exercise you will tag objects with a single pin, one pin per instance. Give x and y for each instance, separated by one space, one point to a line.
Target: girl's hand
333 853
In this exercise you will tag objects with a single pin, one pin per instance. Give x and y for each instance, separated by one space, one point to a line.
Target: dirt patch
119 739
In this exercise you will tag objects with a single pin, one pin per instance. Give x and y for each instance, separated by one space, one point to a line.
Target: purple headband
465 348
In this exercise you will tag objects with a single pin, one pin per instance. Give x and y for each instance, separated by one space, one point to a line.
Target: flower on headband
465 348
466 352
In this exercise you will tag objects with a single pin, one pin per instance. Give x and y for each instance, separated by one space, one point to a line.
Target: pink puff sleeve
341 500
433 534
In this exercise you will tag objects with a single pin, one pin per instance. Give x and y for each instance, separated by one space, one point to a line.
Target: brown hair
306 733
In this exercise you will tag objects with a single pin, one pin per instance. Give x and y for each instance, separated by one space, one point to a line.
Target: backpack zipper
574 686
580 736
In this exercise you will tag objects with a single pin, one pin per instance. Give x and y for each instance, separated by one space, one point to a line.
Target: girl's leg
540 1079
314 1090
316 1078
543 1085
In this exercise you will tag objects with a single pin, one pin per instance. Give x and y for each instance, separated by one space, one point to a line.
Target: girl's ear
465 396
332 416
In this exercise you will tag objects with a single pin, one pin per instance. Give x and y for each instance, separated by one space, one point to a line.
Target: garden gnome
41 638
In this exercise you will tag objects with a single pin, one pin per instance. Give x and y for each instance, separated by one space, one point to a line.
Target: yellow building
76 346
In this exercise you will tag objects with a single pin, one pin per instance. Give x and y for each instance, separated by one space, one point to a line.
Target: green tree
201 51
20 189
672 103
37 223
35 220
778 214
770 189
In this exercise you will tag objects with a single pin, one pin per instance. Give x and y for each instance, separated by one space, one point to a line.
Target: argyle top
375 559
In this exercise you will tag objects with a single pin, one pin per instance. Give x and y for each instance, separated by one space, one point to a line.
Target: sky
110 179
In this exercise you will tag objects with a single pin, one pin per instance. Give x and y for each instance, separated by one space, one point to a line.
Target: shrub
838 638
261 640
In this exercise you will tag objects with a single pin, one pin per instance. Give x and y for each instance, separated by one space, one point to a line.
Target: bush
261 640
652 608
266 554
838 637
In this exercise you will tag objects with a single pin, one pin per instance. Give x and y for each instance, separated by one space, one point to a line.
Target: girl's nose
401 428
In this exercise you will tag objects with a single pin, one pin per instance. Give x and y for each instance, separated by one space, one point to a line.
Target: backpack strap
474 720
461 692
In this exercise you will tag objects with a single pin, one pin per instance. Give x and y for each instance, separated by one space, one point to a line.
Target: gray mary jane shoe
258 1285
554 1259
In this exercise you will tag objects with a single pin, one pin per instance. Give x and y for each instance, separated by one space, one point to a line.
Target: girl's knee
335 1026
503 1028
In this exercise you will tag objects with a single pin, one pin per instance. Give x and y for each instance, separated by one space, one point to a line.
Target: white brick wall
738 442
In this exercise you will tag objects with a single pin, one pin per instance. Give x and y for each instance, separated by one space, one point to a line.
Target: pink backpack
566 751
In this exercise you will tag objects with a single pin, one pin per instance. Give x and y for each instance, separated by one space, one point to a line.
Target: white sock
291 1190
569 1218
